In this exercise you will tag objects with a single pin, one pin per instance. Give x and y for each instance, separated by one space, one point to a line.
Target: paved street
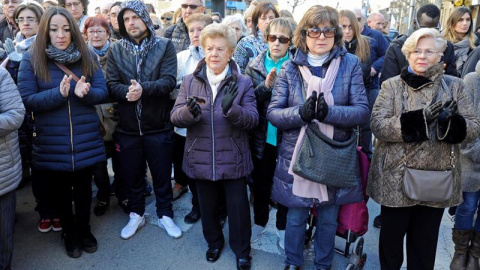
152 248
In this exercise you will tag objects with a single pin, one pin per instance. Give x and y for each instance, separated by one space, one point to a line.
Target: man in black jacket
8 27
141 74
178 32
427 16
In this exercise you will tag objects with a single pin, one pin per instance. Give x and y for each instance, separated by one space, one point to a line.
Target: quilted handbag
326 161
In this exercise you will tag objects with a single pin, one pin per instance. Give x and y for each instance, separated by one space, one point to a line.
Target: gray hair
412 41
221 31
235 18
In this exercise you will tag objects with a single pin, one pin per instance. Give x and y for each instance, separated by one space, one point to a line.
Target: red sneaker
44 225
56 225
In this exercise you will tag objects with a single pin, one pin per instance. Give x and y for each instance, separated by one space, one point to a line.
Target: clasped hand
134 91
308 112
441 112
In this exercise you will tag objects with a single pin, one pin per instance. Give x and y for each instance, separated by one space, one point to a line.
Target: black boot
72 245
460 238
474 252
89 242
193 216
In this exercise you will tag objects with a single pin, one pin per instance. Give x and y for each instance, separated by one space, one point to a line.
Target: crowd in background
226 103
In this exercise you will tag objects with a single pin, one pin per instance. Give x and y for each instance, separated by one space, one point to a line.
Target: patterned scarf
68 56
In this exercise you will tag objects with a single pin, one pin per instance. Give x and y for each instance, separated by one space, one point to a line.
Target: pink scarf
302 187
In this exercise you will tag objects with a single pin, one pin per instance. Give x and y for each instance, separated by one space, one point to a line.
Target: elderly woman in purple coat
217 106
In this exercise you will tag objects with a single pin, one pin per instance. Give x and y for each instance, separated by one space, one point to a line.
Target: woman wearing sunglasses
263 71
320 65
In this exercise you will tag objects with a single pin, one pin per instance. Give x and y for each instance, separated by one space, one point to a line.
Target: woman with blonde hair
419 120
459 31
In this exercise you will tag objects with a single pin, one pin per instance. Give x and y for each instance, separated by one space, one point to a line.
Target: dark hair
96 20
150 7
33 6
39 57
84 4
118 3
313 17
259 10
430 10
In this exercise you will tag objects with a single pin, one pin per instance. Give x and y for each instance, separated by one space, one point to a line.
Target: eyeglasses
74 4
283 40
166 18
26 20
427 53
13 2
185 6
98 32
328 32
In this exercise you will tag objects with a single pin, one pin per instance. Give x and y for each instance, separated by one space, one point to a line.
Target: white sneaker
136 222
172 229
257 231
281 238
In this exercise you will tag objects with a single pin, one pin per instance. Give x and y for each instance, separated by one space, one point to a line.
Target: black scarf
351 46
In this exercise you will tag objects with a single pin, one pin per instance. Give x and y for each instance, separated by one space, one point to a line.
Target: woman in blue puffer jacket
318 39
67 142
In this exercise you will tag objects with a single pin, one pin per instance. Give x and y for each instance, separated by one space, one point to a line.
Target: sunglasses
185 6
328 32
283 40
166 18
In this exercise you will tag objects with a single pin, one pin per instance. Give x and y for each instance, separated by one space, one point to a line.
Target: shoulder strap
67 71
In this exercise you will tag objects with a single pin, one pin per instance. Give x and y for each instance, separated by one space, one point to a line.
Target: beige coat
385 184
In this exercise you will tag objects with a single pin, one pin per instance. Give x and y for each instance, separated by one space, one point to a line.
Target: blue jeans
324 238
466 211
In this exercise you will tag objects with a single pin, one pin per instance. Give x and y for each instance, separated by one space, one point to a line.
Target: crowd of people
228 104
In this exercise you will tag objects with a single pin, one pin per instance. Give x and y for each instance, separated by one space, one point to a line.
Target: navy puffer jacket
350 109
67 129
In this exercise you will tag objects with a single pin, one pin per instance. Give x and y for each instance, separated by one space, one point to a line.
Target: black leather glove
448 110
322 108
231 92
432 111
307 111
193 107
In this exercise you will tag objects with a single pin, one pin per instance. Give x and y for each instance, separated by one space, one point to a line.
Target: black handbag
326 161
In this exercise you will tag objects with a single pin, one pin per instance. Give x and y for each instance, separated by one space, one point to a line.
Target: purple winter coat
350 109
216 146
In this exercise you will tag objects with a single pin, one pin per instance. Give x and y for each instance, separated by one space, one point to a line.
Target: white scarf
215 80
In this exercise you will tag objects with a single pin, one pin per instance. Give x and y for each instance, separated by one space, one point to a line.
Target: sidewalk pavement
152 248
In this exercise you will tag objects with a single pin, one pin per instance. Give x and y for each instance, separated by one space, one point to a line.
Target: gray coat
12 112
470 152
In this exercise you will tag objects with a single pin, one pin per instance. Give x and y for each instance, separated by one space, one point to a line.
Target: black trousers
7 221
40 189
421 225
156 149
65 187
263 172
180 177
239 224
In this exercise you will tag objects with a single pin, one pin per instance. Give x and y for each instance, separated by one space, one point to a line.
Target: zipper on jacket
213 139
71 133
191 146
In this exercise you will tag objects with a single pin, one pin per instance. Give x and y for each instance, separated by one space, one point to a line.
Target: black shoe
213 254
377 221
100 208
124 205
291 267
244 264
72 246
193 216
89 243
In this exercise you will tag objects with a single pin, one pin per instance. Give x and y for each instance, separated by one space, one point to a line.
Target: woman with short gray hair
237 23
419 119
